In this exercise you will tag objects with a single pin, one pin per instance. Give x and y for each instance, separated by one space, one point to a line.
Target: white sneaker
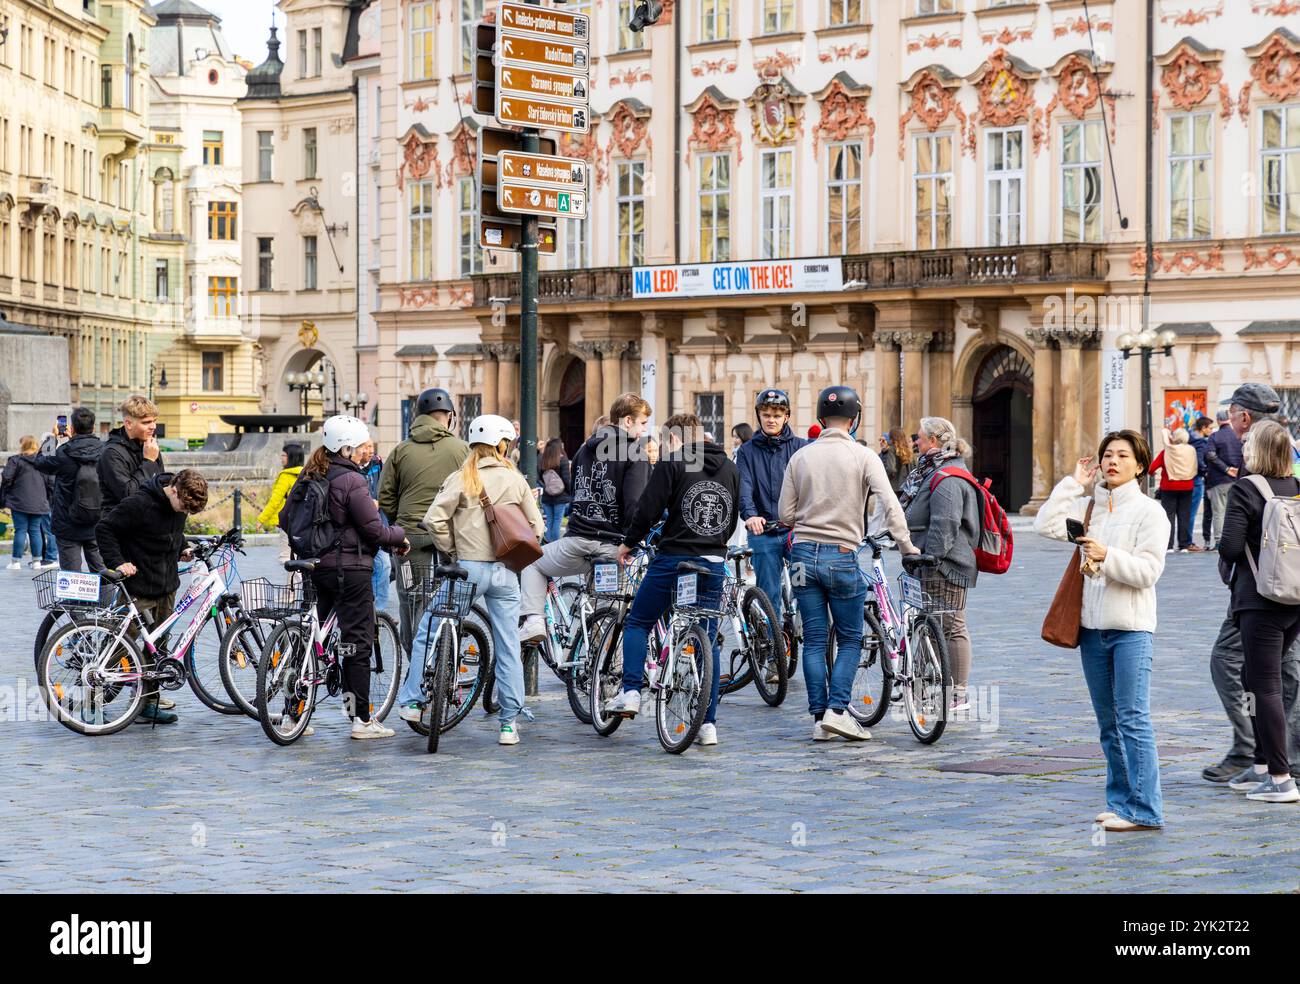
708 734
533 629
309 732
371 729
509 734
628 703
410 712
842 723
821 734
16 566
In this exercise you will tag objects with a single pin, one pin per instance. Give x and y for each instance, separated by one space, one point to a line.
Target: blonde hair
1268 450
469 476
941 431
27 444
1179 436
137 407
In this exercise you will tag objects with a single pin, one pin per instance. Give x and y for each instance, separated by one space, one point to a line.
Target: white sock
1281 779
1260 769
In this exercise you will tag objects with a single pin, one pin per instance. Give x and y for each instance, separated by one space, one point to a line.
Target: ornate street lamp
1144 343
356 407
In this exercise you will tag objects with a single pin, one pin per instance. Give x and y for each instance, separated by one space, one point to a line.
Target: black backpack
87 497
305 518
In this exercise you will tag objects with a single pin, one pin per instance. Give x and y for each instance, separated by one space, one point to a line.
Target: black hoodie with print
699 485
609 476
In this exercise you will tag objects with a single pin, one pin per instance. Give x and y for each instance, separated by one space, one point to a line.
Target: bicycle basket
609 581
263 598
933 593
446 597
51 584
708 600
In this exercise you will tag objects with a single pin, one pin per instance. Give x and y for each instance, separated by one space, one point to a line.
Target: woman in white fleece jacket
1124 553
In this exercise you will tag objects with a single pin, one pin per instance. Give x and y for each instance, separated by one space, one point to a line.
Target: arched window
164 200
129 100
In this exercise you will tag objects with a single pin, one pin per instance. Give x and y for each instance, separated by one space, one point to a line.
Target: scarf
922 469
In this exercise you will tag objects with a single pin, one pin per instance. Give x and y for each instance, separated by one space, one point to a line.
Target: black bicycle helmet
772 398
433 400
839 401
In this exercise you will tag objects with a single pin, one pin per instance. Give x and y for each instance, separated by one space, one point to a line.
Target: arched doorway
1003 425
572 402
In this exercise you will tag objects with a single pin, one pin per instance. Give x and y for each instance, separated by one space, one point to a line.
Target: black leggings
1178 506
1265 636
355 604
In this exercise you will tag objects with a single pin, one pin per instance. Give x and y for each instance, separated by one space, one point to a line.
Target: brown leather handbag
1061 626
513 540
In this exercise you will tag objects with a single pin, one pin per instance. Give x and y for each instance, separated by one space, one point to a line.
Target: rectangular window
309 262
631 212
471 253
6 232
213 147
841 12
222 218
933 180
222 296
628 40
214 372
106 86
161 288
421 227
715 208
715 20
713 418
265 262
317 53
577 252
1281 169
778 16
420 25
924 7
1191 156
471 12
309 152
1004 172
777 203
302 54
844 198
471 406
265 155
1081 182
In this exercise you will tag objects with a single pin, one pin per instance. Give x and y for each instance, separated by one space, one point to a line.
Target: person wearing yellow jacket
291 462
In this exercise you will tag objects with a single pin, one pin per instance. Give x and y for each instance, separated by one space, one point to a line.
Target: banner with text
754 277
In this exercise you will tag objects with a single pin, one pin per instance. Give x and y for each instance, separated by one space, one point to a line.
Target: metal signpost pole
528 332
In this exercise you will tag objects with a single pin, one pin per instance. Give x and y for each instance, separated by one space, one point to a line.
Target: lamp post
303 383
358 405
158 377
1144 343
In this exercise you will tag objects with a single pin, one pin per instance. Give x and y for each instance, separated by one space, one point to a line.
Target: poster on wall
1183 407
649 380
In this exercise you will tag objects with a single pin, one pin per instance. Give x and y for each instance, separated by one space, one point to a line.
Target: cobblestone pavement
211 805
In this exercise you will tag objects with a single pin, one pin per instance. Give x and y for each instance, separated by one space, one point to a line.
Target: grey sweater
946 524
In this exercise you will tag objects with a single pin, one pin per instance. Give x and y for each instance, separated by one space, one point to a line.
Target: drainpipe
1149 267
678 14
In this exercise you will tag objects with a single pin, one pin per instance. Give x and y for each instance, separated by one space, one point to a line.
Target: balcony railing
947 268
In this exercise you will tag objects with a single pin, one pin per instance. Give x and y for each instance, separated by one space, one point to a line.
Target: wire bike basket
445 597
52 594
263 598
933 593
610 581
707 600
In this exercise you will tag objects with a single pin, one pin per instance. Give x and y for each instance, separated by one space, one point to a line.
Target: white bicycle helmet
344 431
491 430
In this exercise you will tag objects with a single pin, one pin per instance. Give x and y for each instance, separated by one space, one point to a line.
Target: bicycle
448 597
749 629
302 654
906 646
90 662
679 665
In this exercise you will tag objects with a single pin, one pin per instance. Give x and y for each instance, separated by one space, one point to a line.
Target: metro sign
541 201
545 21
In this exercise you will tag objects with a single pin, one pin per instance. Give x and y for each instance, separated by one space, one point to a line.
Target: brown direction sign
544 115
545 21
541 201
496 234
546 85
564 173
547 54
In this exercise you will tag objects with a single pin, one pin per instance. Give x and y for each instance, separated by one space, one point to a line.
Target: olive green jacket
416 470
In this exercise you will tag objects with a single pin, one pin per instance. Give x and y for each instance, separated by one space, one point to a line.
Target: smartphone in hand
1073 530
62 425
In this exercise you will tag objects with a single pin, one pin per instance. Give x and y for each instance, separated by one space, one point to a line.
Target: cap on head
1255 397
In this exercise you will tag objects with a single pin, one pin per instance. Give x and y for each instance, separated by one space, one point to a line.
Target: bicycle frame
898 628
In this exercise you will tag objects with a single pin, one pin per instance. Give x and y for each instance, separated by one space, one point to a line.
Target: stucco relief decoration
1007 35
1189 80
463 151
773 113
714 66
1276 8
1006 96
629 132
713 128
461 296
933 42
584 146
842 52
843 115
1184 262
630 76
932 103
419 157
773 65
1191 16
417 297
1079 25
1276 69
1276 258
667 16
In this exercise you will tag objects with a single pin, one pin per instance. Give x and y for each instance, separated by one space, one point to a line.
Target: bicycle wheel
469 677
683 701
387 653
874 680
490 703
241 650
771 678
607 679
203 666
737 668
286 687
925 692
91 681
577 682
52 619
439 678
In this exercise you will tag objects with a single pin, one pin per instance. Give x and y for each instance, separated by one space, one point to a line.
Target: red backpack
994 548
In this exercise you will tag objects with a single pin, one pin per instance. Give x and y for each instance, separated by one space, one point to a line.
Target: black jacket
699 486
84 449
1243 527
565 471
355 513
144 529
26 490
610 473
123 469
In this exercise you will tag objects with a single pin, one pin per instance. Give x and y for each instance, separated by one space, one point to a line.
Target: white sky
246 25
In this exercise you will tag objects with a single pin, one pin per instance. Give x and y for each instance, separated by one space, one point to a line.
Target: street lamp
158 377
1144 343
359 405
303 383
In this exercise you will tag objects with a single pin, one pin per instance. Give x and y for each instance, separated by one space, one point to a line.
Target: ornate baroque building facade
973 170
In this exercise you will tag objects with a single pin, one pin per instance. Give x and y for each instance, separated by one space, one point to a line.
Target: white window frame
839 15
265 155
467 234
998 184
770 202
471 12
842 185
1192 159
423 38
934 177
1081 166
719 250
1290 146
634 203
310 263
421 231
787 16
715 14
926 7
577 244
627 39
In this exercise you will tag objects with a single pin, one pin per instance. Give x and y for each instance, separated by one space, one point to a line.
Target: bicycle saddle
921 561
453 571
689 567
740 553
301 566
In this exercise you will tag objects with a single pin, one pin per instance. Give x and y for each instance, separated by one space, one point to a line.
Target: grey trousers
567 555
1226 663
1218 499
